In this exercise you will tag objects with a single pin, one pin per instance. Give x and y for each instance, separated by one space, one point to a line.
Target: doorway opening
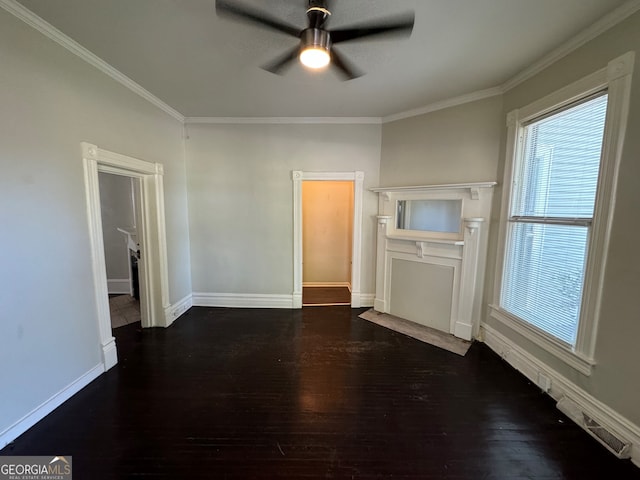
150 240
327 242
355 180
119 199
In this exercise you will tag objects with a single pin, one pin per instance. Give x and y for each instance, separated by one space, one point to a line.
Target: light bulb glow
315 57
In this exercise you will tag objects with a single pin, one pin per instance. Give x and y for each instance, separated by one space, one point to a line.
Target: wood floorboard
326 296
309 394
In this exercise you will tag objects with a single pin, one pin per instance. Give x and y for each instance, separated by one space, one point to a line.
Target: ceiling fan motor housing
315 38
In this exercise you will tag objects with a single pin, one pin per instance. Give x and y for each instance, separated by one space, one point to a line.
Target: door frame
357 177
153 267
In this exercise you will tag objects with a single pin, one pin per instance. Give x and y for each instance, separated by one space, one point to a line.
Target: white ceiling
204 66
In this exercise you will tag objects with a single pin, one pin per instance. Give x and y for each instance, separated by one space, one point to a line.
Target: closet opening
327 242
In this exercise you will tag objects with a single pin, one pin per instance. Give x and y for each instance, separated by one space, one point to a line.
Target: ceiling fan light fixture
314 57
315 48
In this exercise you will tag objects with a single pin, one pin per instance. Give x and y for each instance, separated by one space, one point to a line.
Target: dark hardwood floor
312 393
326 296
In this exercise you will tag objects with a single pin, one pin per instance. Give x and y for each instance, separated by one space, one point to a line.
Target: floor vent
616 445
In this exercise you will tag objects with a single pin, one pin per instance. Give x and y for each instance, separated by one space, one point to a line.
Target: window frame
615 79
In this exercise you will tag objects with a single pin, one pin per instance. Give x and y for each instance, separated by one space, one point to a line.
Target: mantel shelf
423 239
448 186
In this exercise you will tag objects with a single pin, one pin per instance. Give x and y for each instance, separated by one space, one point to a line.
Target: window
563 153
552 205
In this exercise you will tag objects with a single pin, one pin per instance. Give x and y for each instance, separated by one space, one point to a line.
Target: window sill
556 348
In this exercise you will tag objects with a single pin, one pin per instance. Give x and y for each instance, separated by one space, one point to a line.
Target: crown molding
448 103
599 27
31 19
451 102
284 120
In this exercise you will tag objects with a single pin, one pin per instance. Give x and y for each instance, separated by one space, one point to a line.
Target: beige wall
327 231
614 380
51 101
241 199
459 144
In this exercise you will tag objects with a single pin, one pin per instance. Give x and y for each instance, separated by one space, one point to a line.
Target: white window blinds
552 207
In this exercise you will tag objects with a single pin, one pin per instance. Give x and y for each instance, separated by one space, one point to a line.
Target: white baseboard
242 300
257 300
463 330
379 305
327 284
296 300
109 354
30 419
118 286
172 312
558 386
367 299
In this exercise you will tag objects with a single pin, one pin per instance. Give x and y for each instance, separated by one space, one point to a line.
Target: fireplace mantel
431 271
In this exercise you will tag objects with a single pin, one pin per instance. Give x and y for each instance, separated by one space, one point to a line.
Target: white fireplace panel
422 293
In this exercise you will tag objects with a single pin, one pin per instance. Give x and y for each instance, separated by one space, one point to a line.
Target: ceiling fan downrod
317 13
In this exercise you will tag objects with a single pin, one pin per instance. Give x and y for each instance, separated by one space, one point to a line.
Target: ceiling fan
316 48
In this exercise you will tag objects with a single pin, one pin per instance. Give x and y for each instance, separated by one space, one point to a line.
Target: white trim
357 178
48 30
296 176
284 120
602 25
548 343
112 162
581 88
472 187
242 300
34 416
367 299
109 353
616 78
96 242
531 367
466 326
119 286
447 103
432 107
174 311
326 284
153 264
619 73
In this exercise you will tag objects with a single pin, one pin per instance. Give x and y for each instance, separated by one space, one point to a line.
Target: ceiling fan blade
231 9
346 69
398 26
283 62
